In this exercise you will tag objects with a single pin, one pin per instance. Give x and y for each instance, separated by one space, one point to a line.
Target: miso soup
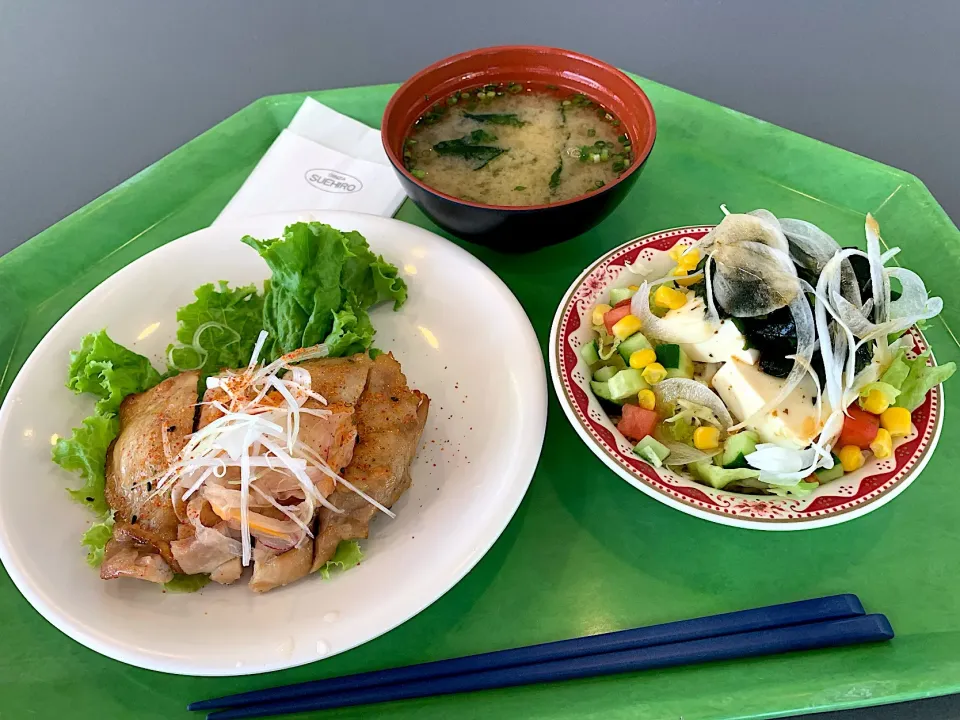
511 144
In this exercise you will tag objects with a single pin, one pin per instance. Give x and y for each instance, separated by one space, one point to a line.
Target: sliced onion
878 279
657 328
713 317
737 228
914 302
774 237
811 241
782 466
754 279
681 454
672 389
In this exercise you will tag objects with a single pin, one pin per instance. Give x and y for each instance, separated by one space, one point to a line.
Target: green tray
586 553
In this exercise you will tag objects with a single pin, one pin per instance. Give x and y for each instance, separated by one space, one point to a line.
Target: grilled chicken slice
390 420
339 380
125 555
154 426
228 573
271 570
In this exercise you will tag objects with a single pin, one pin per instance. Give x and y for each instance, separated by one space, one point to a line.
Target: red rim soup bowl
507 227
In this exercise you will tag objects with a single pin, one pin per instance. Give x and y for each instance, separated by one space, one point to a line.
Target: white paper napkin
315 121
323 161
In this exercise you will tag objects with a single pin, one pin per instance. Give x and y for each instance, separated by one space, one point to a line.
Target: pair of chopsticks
805 625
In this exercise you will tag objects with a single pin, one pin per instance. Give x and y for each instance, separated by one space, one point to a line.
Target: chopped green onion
591 132
520 187
452 100
623 139
419 174
599 184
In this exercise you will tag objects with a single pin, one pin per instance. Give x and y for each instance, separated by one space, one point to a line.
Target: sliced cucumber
626 383
737 447
719 477
834 473
652 451
618 295
633 343
589 353
675 360
601 390
605 373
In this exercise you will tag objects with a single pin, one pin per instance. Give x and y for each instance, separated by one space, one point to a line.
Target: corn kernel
648 401
633 288
882 445
641 358
851 458
896 421
690 260
599 311
654 373
683 280
626 326
675 252
706 438
667 297
875 402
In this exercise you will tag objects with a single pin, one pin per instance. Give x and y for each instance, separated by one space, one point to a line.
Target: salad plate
478 453
857 492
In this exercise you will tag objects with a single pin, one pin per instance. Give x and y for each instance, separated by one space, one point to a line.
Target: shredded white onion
670 390
660 329
261 415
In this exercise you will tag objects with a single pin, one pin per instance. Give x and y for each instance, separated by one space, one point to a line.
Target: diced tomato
612 317
624 302
859 428
637 422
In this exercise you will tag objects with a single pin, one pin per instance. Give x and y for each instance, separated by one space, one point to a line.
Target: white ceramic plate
478 454
875 484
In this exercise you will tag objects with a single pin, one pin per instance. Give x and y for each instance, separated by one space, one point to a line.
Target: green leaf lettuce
347 555
218 330
323 282
108 370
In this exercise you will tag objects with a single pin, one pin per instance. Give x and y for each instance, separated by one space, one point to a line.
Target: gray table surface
92 92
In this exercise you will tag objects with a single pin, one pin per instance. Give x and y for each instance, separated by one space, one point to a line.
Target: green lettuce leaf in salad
801 489
95 539
889 392
186 583
905 383
921 379
218 330
85 453
352 330
108 370
318 272
347 555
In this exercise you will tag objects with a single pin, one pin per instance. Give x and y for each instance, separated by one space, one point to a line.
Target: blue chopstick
833 607
830 633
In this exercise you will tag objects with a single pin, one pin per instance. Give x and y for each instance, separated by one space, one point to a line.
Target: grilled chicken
271 570
390 419
154 426
369 437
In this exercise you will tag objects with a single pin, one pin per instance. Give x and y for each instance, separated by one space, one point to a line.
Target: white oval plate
874 485
477 457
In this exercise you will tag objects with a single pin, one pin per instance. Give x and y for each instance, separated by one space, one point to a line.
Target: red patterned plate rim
854 495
